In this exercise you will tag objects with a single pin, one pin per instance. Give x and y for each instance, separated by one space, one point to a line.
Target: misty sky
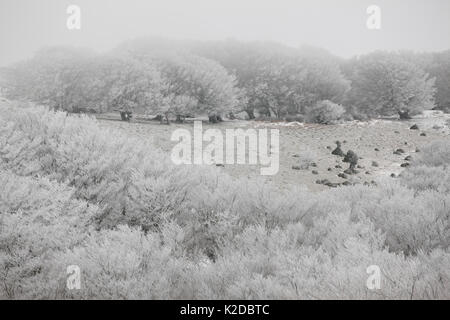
337 25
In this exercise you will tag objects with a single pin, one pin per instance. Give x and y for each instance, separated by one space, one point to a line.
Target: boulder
338 151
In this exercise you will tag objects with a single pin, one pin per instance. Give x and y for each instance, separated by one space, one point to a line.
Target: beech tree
48 77
387 83
195 85
279 80
440 69
324 78
135 86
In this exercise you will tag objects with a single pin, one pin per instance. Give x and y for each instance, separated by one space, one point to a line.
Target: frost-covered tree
135 86
388 83
49 77
195 85
276 79
75 80
324 79
440 69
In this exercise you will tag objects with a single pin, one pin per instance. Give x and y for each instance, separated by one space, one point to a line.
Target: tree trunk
180 118
213 119
404 115
251 113
125 115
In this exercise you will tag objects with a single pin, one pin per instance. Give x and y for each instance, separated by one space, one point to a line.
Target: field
317 141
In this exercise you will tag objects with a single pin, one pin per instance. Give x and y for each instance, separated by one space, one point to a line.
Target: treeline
176 79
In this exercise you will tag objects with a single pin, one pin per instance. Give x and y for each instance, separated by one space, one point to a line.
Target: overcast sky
337 25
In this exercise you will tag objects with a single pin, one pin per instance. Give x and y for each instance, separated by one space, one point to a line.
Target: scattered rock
414 127
314 165
408 158
342 175
375 164
423 134
338 166
332 184
404 165
329 169
346 183
296 168
314 172
327 183
396 131
367 172
328 147
393 175
220 165
417 150
399 151
351 171
295 156
376 149
338 151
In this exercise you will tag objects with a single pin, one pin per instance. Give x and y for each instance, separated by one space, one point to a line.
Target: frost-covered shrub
411 221
127 264
434 155
423 178
326 112
280 267
37 219
124 176
430 168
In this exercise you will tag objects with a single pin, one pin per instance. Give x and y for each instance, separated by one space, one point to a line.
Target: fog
339 26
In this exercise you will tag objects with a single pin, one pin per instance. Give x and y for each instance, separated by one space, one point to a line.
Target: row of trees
178 79
171 84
